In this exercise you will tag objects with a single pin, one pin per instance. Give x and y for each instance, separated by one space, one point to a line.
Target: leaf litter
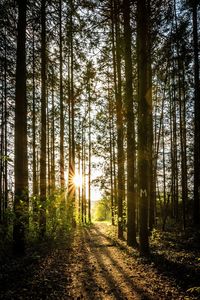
91 264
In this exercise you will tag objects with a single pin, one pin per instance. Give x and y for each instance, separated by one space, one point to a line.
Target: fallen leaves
94 265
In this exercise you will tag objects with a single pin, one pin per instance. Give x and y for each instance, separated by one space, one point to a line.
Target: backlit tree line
110 84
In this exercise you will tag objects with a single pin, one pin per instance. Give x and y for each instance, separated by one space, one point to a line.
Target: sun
77 180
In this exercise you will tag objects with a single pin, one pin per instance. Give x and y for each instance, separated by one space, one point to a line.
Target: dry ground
92 265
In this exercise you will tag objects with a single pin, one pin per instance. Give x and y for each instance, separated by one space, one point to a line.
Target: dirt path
106 271
93 266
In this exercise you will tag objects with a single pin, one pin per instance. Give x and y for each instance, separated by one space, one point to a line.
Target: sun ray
77 180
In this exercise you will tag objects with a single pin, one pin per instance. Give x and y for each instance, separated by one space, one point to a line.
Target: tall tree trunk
71 185
43 151
62 178
164 205
5 141
115 89
83 175
131 193
52 211
21 161
111 156
69 129
79 173
116 50
181 102
150 119
89 153
184 150
52 138
1 150
114 171
196 214
84 217
144 112
48 152
114 161
175 152
35 182
171 151
4 145
157 138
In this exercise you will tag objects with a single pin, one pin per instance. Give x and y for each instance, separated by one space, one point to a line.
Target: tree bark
144 114
89 153
35 182
131 193
62 178
43 150
21 161
196 213
119 108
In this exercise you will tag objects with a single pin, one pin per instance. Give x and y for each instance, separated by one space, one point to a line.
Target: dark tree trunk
144 112
35 182
1 151
62 178
48 151
89 153
43 153
83 158
111 157
175 150
150 119
116 50
71 185
181 102
21 162
131 193
79 172
196 214
52 138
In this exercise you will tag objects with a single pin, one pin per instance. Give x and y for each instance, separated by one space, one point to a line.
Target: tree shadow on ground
39 274
114 282
184 275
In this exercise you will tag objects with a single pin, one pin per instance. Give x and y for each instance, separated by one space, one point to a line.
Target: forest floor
93 264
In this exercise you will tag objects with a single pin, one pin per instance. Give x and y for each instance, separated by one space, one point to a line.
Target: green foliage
5 158
155 235
6 232
102 210
57 219
194 290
